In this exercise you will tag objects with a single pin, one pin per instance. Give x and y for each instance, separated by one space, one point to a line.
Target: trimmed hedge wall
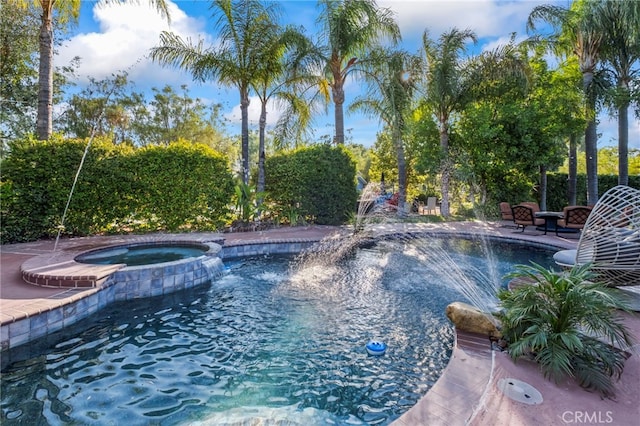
120 189
317 182
557 196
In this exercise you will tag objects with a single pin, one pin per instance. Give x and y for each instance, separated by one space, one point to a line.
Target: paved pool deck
468 392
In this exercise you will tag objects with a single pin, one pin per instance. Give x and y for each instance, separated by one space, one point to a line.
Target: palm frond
598 366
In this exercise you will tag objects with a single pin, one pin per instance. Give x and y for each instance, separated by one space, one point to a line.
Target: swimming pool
143 254
266 341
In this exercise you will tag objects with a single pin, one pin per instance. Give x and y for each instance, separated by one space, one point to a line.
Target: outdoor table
549 218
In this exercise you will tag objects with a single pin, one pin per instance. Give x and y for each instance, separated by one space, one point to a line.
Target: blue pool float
376 348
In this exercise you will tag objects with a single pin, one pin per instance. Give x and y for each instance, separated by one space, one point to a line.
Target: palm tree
64 11
350 29
620 51
235 61
445 92
569 323
574 119
577 31
284 71
392 84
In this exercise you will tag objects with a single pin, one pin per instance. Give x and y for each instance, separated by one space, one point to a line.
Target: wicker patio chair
524 215
574 217
610 240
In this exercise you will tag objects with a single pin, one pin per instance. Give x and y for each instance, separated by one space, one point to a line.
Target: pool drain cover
520 391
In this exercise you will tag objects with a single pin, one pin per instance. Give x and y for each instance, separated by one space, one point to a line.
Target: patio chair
506 215
610 240
575 217
505 211
431 205
524 215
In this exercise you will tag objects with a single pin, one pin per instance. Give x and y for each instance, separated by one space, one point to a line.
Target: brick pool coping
461 395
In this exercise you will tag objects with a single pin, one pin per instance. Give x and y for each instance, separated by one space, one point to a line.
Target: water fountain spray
84 156
86 151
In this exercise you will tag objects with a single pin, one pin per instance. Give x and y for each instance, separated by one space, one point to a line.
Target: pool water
267 341
136 255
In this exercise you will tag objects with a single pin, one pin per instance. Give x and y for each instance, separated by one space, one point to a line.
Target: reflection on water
266 341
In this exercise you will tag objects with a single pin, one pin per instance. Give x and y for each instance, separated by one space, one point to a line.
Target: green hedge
557 188
317 182
120 189
515 191
181 186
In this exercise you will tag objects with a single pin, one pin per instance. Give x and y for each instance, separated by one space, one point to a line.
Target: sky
110 39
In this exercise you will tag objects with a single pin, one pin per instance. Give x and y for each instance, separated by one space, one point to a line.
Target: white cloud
487 18
608 129
634 135
501 41
273 113
126 33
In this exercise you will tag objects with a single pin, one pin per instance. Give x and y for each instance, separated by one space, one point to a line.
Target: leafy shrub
247 202
568 323
182 186
316 182
38 177
119 188
557 187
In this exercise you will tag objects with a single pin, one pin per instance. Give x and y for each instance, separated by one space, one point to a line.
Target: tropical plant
64 11
349 30
569 323
577 30
234 61
565 80
392 84
247 205
445 93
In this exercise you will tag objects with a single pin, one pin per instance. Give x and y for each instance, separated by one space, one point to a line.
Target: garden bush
317 182
557 187
182 186
119 188
37 177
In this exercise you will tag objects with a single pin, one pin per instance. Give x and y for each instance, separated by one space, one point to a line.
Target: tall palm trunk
338 101
573 170
543 187
623 144
261 150
591 152
44 126
244 113
445 170
402 170
591 140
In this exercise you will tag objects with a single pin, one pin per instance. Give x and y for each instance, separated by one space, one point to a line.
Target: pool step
67 274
